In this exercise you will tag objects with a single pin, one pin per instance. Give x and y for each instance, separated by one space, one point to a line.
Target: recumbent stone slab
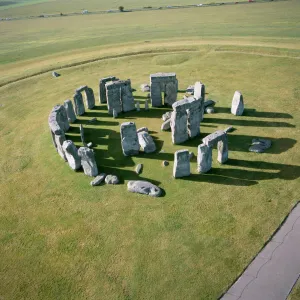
129 139
237 105
144 187
70 111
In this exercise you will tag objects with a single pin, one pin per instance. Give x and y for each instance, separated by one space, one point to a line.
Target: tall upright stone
79 106
194 113
170 93
181 166
204 158
179 123
70 111
199 93
81 130
223 150
102 90
113 96
59 140
88 161
156 97
72 156
58 119
237 105
129 139
89 98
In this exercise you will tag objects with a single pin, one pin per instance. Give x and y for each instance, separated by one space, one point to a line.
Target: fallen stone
181 164
144 187
55 74
179 122
71 154
209 103
260 145
237 105
111 179
166 125
229 129
146 142
129 139
167 116
190 89
142 129
165 163
93 120
88 161
209 110
145 87
139 169
97 181
90 144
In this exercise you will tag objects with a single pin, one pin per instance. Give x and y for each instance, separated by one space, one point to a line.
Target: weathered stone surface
70 111
89 98
126 95
156 98
137 106
204 158
165 163
59 140
142 129
166 125
113 96
88 161
229 129
79 106
179 123
194 114
97 181
170 93
102 90
146 142
55 74
260 145
111 179
209 103
223 150
144 187
199 93
81 89
237 105
115 114
145 87
71 154
129 139
167 116
190 89
181 164
58 120
81 130
139 169
146 104
209 110
212 139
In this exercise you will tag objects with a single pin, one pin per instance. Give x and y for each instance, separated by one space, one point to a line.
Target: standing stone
171 93
59 140
204 158
144 187
113 96
237 105
79 106
146 104
137 106
223 150
115 114
146 142
72 156
166 125
194 117
102 89
126 95
179 123
155 91
88 161
181 164
70 111
190 90
89 98
199 93
111 179
129 139
82 135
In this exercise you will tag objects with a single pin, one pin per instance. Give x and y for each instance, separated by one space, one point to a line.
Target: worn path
275 270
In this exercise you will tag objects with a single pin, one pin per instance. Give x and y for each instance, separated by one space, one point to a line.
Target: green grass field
62 239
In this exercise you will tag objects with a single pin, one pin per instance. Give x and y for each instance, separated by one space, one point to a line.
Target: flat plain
62 239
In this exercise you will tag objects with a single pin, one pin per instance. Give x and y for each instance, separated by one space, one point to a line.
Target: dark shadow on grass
151 113
249 112
241 122
140 97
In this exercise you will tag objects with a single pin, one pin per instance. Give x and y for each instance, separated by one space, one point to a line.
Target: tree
121 8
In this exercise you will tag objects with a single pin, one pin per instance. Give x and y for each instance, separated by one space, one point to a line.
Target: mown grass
75 242
61 238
